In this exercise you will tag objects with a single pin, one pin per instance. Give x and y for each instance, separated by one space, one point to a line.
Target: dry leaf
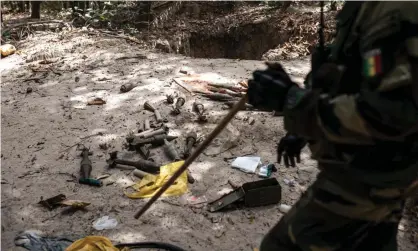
75 203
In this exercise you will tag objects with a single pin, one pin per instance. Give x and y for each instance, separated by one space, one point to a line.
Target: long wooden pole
194 155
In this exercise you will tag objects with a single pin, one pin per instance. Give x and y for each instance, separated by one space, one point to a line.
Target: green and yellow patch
372 63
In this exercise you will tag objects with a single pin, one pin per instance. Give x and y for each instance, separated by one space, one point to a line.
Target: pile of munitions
226 93
155 134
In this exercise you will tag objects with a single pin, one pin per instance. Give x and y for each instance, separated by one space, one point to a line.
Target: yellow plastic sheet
150 184
93 243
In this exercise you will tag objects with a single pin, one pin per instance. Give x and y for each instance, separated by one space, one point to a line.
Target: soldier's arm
387 109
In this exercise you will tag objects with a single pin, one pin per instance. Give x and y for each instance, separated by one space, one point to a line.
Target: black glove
268 88
289 148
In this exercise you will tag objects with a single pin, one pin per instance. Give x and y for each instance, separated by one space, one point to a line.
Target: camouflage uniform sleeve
386 108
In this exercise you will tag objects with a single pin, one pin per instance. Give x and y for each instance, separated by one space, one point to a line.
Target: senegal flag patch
372 63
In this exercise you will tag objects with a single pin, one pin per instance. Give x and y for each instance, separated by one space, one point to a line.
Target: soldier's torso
360 27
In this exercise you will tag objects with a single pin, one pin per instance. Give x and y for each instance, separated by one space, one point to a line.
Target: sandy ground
38 127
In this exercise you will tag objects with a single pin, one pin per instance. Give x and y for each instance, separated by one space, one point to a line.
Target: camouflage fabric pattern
365 141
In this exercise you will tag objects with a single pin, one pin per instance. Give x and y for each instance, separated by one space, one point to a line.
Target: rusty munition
231 104
141 127
140 174
217 96
169 99
85 170
148 134
179 103
152 132
144 165
172 153
144 151
199 109
147 125
228 86
127 87
158 117
190 142
157 140
149 107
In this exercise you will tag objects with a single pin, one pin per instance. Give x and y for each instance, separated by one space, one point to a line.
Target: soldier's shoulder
378 11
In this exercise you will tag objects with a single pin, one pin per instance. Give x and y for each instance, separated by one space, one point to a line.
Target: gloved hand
268 88
289 148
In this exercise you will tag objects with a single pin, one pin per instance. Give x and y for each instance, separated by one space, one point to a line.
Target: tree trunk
21 6
36 9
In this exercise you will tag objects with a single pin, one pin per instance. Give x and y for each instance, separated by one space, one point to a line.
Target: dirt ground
38 127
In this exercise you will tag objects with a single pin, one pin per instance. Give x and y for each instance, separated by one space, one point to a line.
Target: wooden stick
7 28
194 155
182 85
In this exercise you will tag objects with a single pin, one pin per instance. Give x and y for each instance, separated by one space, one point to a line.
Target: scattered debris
243 83
157 140
85 170
217 96
149 107
147 125
250 195
251 121
172 153
196 200
96 101
103 176
150 184
179 82
233 184
265 171
199 109
131 57
169 99
246 164
76 204
152 132
290 183
228 87
127 87
105 222
140 174
36 79
144 165
53 202
179 103
190 142
284 208
230 104
104 146
36 240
